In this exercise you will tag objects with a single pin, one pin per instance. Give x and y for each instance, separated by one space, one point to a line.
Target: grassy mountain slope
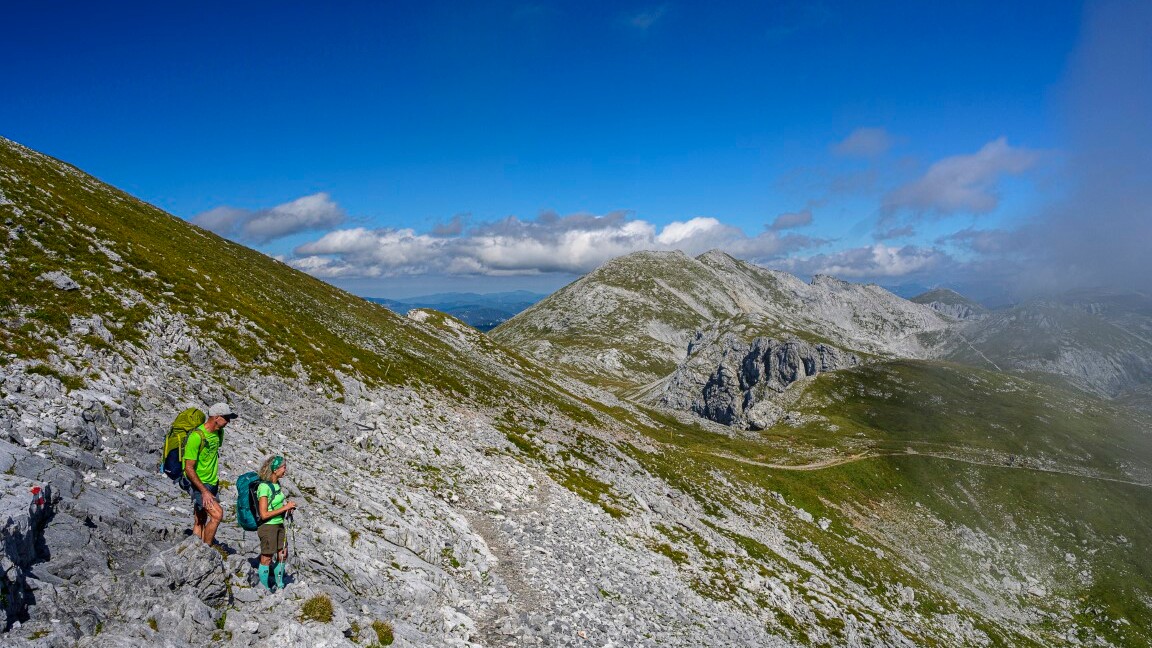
1018 498
132 260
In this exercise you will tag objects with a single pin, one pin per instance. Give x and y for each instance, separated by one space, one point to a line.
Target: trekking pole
291 545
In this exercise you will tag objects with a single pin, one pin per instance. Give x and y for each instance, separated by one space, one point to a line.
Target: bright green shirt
275 496
205 453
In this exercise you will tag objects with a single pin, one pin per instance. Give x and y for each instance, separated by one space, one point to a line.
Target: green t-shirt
275 496
204 454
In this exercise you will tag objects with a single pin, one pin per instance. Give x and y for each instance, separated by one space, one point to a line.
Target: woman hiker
273 507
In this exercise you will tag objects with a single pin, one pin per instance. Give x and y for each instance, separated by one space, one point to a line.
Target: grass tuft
318 608
384 632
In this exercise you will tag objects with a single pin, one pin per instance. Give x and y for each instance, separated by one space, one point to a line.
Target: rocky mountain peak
719 259
830 282
632 330
952 304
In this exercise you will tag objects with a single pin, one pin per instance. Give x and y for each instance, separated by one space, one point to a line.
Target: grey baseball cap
221 409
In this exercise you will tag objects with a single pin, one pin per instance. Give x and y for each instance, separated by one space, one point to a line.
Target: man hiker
201 474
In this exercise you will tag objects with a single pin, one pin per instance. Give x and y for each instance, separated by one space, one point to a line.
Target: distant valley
480 311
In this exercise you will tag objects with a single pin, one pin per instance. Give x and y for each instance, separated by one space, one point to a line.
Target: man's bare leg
198 518
214 513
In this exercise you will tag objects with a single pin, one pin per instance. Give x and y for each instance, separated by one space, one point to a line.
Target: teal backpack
247 503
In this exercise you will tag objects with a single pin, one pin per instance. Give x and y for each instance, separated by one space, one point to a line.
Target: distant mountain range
641 324
483 311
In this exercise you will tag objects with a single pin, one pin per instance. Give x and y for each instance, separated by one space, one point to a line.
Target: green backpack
172 455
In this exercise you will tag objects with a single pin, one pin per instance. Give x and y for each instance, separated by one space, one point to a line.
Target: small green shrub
447 554
384 634
317 608
152 624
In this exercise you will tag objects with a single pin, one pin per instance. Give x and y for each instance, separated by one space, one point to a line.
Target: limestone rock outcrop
730 381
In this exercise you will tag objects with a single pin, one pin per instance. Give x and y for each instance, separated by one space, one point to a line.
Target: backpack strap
199 429
260 519
274 490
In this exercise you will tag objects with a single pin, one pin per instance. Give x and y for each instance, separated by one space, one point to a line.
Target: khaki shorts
272 538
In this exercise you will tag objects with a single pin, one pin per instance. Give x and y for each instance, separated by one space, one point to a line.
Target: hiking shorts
272 538
197 496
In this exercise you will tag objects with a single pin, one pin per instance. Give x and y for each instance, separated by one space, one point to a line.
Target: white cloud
224 221
695 233
962 183
864 143
315 212
361 252
552 243
895 233
877 261
453 227
792 219
985 242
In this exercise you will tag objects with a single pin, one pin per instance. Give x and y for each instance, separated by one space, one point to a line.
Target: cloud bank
1093 233
875 262
792 219
309 213
572 244
962 183
1099 234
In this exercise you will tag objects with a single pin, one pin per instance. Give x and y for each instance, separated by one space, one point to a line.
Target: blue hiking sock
264 576
279 571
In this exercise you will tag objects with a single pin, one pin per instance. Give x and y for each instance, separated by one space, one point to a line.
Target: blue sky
405 148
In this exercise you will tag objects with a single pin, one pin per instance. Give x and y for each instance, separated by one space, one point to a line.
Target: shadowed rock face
731 381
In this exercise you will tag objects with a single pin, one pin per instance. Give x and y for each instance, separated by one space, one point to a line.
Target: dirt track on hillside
838 461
